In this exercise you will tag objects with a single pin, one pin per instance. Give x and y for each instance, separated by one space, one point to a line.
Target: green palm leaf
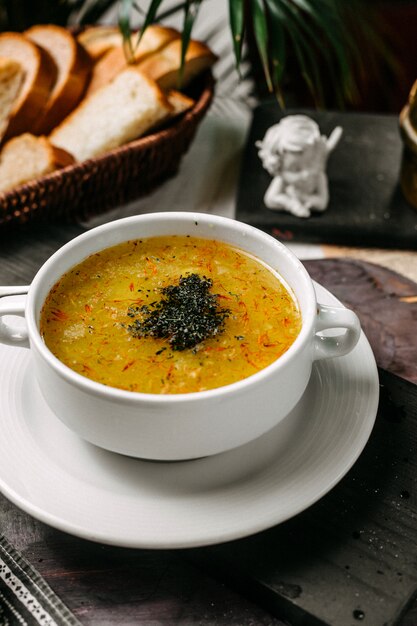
190 14
277 47
313 33
260 27
125 15
304 39
237 23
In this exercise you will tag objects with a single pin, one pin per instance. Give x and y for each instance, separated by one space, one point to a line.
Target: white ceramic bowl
181 426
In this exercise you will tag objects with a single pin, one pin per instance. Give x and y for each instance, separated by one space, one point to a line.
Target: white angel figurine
295 154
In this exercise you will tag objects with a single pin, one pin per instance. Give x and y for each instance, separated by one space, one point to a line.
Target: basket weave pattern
97 185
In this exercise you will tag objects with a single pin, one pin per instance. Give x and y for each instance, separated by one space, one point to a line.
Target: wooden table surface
109 585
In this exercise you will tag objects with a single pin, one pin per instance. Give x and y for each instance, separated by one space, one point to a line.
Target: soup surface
169 315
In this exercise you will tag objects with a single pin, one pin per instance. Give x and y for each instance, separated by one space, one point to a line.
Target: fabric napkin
25 597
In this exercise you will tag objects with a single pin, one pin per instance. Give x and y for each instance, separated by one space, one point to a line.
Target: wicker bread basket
126 173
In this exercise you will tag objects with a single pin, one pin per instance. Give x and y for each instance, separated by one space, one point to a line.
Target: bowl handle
335 345
14 304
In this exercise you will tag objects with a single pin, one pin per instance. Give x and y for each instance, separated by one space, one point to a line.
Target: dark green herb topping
186 315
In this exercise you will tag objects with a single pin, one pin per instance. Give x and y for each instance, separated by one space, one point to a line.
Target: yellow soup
169 315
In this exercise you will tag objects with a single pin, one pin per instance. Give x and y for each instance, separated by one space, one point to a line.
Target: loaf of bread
117 113
11 81
39 76
73 72
27 157
164 67
154 39
97 40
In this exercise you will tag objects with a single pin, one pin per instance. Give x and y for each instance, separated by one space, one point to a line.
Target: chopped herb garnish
186 315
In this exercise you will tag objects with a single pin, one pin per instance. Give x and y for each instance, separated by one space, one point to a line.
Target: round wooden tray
126 173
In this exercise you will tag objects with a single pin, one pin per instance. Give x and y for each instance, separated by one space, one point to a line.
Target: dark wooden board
351 557
386 304
366 206
106 586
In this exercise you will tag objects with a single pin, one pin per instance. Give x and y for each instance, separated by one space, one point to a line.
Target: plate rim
116 538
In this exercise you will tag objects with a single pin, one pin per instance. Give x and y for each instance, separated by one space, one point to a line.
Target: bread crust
98 40
164 67
179 101
155 38
37 85
11 80
70 87
60 157
24 148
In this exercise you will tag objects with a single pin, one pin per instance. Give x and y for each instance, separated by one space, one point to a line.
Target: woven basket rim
175 129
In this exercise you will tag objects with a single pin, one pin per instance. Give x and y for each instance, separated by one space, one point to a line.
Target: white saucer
50 473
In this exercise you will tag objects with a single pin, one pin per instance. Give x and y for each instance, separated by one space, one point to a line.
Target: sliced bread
73 72
164 67
11 80
115 114
39 76
97 40
180 102
154 39
27 157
